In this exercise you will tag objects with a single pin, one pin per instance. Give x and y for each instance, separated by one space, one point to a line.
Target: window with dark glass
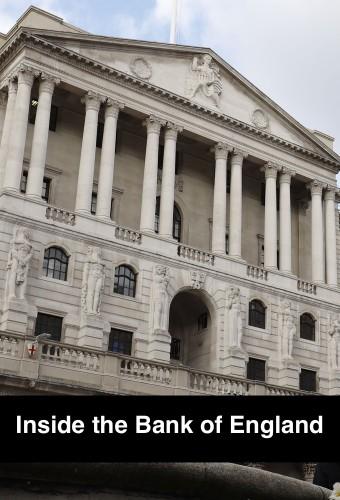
45 192
202 321
55 263
177 220
120 341
93 203
307 327
256 369
227 243
46 323
257 314
307 380
175 349
33 112
125 281
100 134
23 182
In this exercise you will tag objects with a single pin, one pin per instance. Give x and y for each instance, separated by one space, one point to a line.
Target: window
46 323
257 314
45 192
120 341
202 322
100 134
307 327
177 220
125 281
55 263
256 369
93 203
175 349
308 380
33 112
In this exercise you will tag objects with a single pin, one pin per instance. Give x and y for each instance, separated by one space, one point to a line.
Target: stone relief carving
93 282
235 327
260 119
160 298
205 77
197 279
141 67
288 330
333 343
19 258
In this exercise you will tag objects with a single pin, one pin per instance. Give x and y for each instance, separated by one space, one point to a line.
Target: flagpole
173 29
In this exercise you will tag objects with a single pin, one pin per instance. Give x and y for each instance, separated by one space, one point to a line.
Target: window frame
116 284
310 370
120 332
307 314
45 268
46 180
250 315
49 315
260 361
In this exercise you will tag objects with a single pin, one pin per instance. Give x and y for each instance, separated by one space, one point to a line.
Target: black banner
169 428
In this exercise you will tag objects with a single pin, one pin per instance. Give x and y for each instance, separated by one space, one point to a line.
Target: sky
288 48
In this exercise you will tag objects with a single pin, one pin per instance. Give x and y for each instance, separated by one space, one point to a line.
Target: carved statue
207 78
333 344
288 331
234 317
161 298
93 281
197 279
19 257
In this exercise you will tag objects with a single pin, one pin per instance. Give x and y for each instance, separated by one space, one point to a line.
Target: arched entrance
190 327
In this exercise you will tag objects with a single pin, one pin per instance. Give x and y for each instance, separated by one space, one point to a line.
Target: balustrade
195 255
73 357
123 233
9 346
306 287
203 382
60 215
146 371
257 272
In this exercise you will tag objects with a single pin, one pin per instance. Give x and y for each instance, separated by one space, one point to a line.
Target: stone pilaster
168 180
88 153
221 151
318 266
107 160
270 217
330 236
147 218
235 225
40 136
285 221
6 131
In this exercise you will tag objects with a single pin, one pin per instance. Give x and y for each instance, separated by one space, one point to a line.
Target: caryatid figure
93 281
19 258
234 318
160 298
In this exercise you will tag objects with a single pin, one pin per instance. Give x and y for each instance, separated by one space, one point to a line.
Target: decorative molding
141 68
205 78
260 119
197 279
316 187
221 151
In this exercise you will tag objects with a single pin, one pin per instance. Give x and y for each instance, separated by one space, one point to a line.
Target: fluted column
330 230
318 268
220 199
270 217
107 160
40 137
235 224
147 216
285 221
16 148
88 153
168 180
6 131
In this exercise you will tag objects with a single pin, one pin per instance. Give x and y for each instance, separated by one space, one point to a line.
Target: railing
195 255
214 384
257 272
306 287
9 346
72 357
125 234
145 370
60 215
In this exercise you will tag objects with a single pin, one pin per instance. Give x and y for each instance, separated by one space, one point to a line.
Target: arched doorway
190 327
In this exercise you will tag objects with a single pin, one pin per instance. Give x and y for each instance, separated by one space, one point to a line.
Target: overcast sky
290 49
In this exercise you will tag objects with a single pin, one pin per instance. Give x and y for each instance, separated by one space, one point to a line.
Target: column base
234 363
92 330
82 211
104 218
159 346
14 317
34 197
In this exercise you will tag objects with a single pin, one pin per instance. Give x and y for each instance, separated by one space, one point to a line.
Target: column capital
330 192
26 74
221 151
47 83
270 170
112 107
171 130
286 175
92 100
12 85
238 155
315 187
153 124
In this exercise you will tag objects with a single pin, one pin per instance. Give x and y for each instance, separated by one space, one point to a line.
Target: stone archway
191 330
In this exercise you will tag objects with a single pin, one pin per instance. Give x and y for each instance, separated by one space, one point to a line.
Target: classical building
166 228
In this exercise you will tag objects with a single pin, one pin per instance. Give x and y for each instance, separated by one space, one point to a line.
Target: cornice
26 39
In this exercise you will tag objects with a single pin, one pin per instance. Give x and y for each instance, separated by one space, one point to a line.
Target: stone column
6 131
88 153
107 160
285 221
40 137
16 148
270 218
220 199
235 225
330 230
318 268
168 180
147 217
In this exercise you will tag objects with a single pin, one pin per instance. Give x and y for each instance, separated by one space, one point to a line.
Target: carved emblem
141 68
205 78
259 119
197 279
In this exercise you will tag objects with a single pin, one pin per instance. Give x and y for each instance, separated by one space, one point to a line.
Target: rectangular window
33 112
256 369
203 322
175 349
23 182
46 323
120 341
100 134
45 192
308 380
93 203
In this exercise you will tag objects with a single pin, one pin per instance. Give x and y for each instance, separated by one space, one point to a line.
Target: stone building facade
171 228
